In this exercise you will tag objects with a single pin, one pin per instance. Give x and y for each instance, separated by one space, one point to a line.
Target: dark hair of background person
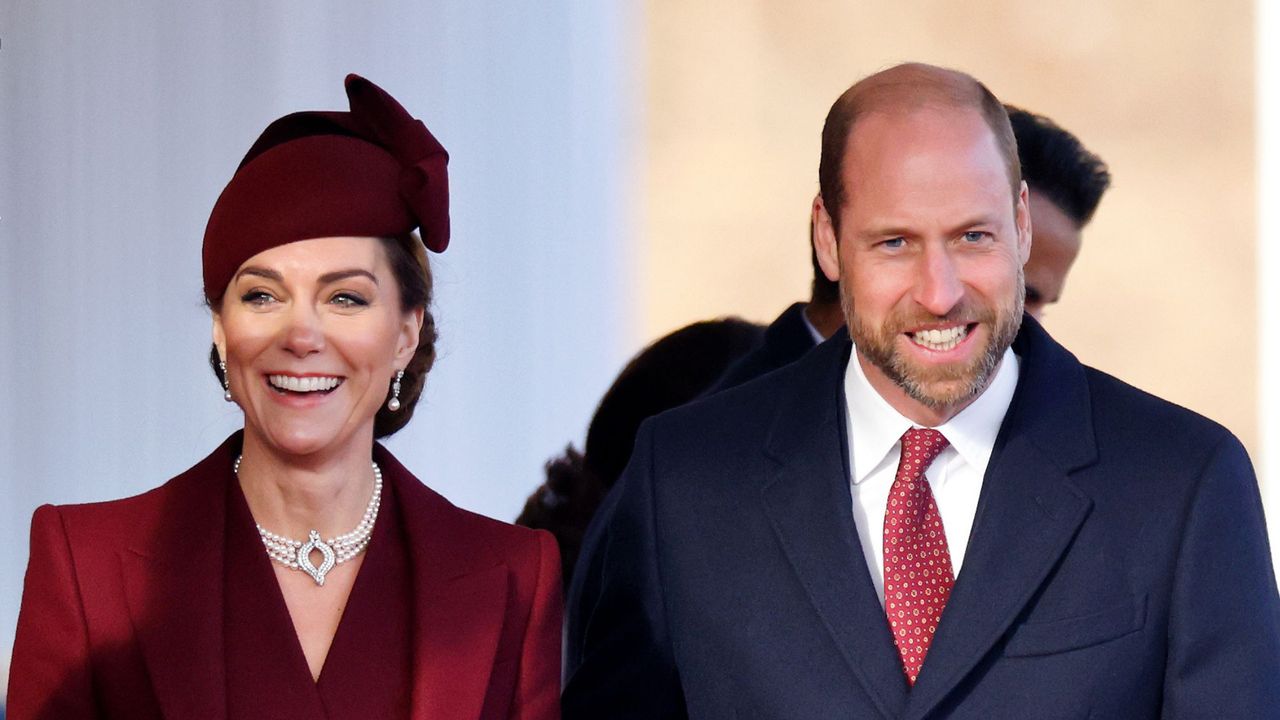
928 85
671 371
408 260
1056 164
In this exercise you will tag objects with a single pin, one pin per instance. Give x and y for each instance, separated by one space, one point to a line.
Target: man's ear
824 240
1022 217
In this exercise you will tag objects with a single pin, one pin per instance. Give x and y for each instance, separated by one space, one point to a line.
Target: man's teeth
303 384
941 339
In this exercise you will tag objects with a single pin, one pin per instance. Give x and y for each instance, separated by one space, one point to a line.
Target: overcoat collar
460 590
173 580
786 336
1028 514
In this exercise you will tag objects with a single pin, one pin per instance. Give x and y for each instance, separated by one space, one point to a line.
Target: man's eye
974 236
893 243
348 300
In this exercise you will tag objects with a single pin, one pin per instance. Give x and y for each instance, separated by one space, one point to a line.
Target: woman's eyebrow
261 272
344 274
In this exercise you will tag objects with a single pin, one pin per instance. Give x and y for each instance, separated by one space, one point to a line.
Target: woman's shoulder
469 533
466 525
102 523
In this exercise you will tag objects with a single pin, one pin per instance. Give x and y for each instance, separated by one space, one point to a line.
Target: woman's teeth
941 340
303 384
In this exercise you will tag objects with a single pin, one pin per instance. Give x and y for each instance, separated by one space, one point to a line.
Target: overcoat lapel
459 602
173 582
1028 514
808 501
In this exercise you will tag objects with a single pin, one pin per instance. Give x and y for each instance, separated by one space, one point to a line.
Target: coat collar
788 337
460 590
807 499
173 580
1028 514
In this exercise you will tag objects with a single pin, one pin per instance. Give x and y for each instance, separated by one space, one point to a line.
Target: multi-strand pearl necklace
296 554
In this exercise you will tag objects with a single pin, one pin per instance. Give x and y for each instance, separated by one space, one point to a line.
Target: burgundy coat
122 611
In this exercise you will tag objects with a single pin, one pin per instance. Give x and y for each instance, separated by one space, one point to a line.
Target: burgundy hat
374 171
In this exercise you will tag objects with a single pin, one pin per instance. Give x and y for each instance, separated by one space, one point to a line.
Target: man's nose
938 286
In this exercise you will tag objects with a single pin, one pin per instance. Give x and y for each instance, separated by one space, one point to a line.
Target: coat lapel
808 501
173 582
1028 514
459 602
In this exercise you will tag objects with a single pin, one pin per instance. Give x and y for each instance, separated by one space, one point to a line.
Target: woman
300 571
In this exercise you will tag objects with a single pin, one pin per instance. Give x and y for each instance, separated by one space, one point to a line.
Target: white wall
120 122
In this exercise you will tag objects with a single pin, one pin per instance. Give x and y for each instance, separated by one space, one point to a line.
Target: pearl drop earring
394 403
226 383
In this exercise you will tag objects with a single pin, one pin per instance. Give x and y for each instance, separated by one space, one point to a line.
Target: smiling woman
411 275
316 326
300 571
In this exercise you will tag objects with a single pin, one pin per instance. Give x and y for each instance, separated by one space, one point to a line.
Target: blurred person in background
795 332
1065 183
669 372
300 571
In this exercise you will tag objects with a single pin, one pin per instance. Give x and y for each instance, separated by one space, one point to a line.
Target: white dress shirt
955 477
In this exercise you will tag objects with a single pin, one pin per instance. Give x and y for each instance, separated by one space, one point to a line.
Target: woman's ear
410 333
219 337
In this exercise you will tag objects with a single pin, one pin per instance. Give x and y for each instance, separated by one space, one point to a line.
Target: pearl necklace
296 554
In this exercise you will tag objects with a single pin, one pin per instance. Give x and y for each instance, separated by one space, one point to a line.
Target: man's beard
940 386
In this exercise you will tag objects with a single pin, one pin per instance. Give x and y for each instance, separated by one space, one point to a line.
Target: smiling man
941 513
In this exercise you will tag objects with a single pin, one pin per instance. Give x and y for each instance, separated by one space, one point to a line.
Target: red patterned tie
917 566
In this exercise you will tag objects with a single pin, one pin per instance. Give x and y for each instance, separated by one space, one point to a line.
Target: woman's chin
302 440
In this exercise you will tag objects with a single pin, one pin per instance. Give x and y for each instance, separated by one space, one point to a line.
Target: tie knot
920 447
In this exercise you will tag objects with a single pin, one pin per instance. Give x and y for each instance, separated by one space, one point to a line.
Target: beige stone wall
1163 295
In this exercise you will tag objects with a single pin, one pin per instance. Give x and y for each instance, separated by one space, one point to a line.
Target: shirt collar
875 427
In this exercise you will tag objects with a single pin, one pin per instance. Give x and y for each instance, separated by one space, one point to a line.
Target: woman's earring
394 403
226 383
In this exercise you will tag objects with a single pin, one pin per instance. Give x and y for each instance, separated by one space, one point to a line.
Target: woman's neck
291 495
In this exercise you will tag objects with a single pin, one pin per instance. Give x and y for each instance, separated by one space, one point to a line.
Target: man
1065 183
796 331
949 517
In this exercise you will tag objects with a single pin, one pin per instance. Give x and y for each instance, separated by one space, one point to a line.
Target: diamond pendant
304 558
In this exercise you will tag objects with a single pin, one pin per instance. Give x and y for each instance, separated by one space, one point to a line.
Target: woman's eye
348 300
257 297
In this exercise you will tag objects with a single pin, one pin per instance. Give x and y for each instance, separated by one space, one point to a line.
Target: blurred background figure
1066 183
795 332
669 372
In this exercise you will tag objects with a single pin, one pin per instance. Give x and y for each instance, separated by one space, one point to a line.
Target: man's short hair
904 86
1056 164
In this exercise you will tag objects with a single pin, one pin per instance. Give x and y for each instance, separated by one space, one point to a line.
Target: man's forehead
898 131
